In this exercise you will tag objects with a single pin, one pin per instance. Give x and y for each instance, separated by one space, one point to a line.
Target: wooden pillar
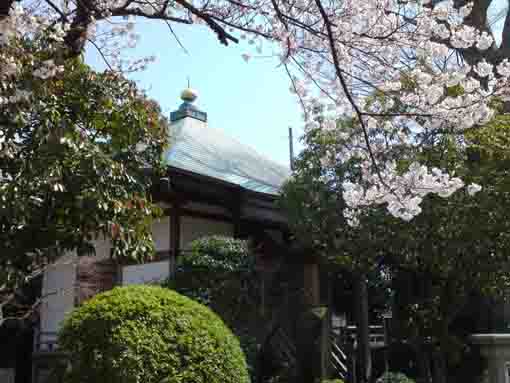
311 283
236 213
175 238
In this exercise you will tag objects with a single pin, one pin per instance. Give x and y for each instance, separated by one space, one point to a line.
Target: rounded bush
149 334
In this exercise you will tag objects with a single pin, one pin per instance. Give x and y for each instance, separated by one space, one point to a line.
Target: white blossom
464 37
503 68
484 69
473 188
485 41
47 69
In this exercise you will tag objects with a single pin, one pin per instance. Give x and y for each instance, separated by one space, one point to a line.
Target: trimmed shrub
219 272
394 377
149 334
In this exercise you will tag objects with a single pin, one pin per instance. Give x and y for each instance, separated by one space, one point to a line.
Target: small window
507 372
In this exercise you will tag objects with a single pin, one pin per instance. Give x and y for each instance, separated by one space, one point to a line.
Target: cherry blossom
473 188
385 63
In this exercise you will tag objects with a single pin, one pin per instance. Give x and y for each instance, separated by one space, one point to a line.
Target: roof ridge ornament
187 109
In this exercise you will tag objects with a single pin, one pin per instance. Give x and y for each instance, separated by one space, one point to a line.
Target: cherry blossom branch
159 15
345 88
222 34
295 89
57 9
101 54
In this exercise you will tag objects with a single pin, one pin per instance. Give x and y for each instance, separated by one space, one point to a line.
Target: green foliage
313 202
214 267
219 254
73 167
152 335
456 248
394 377
220 273
491 142
455 91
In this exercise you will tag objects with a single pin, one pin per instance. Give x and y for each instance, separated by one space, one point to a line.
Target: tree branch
222 34
5 7
57 9
101 53
505 43
345 88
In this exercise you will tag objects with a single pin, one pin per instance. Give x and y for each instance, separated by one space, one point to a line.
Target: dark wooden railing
376 336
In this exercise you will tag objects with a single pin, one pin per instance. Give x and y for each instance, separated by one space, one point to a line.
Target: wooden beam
205 180
175 238
311 284
262 223
236 213
199 214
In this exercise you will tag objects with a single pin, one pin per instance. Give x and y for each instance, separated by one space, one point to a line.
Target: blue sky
249 101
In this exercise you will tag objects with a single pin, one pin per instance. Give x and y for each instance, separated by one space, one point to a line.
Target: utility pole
291 149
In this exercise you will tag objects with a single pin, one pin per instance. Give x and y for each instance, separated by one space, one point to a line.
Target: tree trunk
423 357
439 367
364 363
5 6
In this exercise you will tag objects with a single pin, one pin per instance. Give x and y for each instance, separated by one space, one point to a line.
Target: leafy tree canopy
457 246
76 165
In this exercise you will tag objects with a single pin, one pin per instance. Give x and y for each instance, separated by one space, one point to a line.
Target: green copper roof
197 148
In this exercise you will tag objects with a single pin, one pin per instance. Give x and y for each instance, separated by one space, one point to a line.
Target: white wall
191 229
194 228
146 273
102 247
161 234
58 293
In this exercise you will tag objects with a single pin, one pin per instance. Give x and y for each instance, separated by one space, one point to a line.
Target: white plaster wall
146 273
193 228
58 293
103 247
161 234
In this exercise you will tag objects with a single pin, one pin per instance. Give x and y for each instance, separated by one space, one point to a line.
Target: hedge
149 334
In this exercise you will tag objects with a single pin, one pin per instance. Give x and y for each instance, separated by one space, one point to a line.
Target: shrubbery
220 272
152 335
219 254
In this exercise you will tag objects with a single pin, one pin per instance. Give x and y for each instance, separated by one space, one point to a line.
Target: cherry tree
410 54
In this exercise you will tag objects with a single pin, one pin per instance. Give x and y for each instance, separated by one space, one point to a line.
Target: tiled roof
197 148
